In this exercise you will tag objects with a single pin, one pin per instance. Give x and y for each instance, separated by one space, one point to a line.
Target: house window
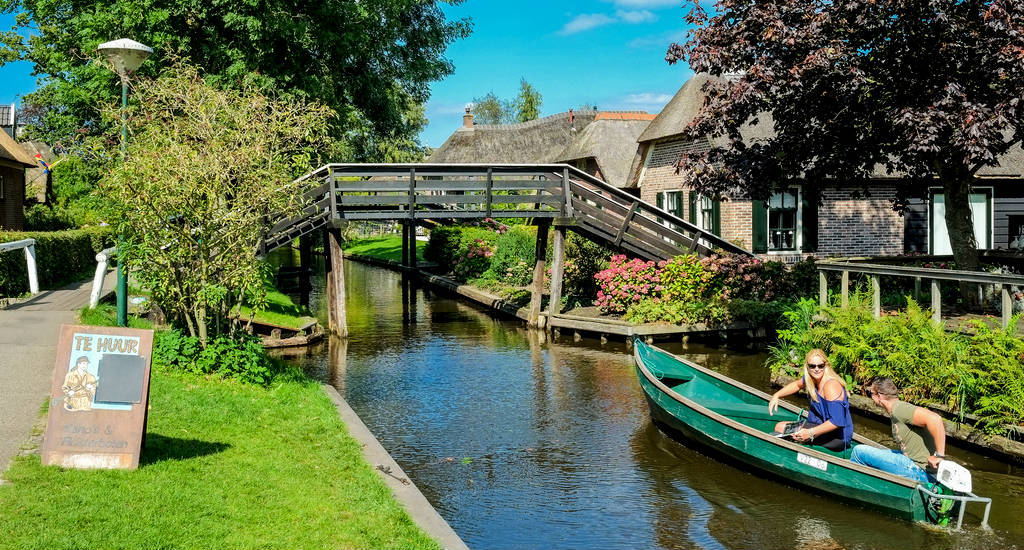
671 201
783 213
706 213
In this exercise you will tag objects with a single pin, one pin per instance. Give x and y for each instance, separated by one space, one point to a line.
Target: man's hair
883 385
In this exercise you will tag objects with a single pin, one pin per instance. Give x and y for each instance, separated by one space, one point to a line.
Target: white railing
30 260
101 271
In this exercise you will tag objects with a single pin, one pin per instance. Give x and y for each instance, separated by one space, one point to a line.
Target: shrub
684 278
61 257
583 259
473 258
240 356
650 310
450 246
514 256
626 282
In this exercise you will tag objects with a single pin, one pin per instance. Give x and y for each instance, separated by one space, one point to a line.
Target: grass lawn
384 248
281 311
226 465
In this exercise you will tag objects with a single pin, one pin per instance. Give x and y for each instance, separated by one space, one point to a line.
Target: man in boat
918 431
829 423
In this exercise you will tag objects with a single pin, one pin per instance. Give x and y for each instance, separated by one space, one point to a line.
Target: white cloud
585 22
640 16
647 98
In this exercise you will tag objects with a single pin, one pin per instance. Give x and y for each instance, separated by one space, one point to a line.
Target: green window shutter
661 200
693 208
809 220
716 217
759 218
679 205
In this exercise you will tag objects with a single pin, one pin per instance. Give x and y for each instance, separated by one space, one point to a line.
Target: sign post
99 398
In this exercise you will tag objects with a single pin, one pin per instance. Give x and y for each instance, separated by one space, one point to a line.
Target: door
981 215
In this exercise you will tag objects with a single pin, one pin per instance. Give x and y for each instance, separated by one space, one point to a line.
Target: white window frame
799 237
975 190
664 203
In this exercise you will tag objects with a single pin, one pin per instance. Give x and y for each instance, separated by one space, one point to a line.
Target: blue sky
608 53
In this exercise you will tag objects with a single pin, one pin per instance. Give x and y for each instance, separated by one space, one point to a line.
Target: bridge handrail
29 245
924 273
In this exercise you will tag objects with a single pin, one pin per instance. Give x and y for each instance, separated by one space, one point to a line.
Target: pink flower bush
626 282
475 261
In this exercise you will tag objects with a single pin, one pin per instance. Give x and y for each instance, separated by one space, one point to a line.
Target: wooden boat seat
743 410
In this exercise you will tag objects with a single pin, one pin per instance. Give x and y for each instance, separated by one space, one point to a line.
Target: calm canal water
521 443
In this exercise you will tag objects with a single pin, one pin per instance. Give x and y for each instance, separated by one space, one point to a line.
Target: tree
527 103
928 91
489 109
371 61
206 173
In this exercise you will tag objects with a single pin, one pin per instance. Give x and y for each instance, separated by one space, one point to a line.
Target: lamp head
126 55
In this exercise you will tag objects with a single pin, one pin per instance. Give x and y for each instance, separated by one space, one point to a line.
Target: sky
608 53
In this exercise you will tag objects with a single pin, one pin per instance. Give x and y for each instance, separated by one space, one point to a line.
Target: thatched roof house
824 221
601 143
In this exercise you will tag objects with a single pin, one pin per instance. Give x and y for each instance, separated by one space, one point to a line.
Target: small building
601 143
13 163
824 220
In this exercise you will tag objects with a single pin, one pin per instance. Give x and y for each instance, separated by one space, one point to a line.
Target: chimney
467 119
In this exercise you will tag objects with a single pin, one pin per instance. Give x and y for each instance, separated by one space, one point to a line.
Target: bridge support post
557 273
538 272
412 244
405 244
336 319
306 265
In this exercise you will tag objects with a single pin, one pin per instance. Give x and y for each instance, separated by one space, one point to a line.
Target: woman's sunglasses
815 365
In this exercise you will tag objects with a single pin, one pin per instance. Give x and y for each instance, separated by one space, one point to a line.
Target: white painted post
101 272
30 262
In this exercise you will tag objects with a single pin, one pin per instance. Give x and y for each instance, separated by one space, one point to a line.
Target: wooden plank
845 290
822 289
1007 305
372 186
628 219
553 200
598 218
557 271
525 185
566 193
412 195
490 190
337 321
876 297
451 199
936 301
373 200
306 212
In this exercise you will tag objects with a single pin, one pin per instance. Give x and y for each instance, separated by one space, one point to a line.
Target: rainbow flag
46 167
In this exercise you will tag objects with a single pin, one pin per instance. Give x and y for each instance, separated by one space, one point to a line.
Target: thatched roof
11 151
612 143
607 136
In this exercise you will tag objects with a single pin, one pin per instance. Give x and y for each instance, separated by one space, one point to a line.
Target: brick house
601 143
13 162
832 221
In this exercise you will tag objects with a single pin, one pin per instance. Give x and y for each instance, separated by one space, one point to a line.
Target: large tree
525 106
927 91
371 61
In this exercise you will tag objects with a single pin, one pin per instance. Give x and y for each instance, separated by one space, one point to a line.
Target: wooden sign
99 398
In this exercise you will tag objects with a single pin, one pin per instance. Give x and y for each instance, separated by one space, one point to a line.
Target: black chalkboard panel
120 378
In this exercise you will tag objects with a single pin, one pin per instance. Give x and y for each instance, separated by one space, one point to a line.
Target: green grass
106 315
281 311
226 465
383 248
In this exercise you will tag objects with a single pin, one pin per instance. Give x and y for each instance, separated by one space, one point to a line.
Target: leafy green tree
527 104
207 171
371 61
929 91
489 109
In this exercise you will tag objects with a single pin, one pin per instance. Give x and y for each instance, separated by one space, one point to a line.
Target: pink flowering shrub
473 259
626 282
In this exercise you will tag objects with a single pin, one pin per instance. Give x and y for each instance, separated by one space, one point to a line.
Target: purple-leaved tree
928 91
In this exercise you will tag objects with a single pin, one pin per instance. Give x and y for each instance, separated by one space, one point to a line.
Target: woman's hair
812 391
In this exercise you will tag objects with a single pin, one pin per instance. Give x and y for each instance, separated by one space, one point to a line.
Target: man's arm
933 423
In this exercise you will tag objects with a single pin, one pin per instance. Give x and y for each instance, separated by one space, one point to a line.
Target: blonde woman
828 423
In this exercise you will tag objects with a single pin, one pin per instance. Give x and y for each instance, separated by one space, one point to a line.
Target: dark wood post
405 244
538 272
412 245
557 273
336 318
306 265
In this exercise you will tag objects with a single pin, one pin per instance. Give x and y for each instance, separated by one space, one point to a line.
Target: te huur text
107 344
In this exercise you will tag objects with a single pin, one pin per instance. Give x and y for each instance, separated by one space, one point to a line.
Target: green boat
732 418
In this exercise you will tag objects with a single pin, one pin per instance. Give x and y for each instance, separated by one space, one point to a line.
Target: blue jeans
890 461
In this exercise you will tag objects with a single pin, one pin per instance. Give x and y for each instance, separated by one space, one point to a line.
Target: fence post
101 272
30 263
1007 304
538 273
917 289
846 289
936 301
876 296
822 289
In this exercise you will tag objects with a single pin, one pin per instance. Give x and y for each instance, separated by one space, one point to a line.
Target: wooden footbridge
555 195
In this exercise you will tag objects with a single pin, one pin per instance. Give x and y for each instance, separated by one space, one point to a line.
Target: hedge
62 257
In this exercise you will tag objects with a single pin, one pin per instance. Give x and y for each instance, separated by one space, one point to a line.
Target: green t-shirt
915 441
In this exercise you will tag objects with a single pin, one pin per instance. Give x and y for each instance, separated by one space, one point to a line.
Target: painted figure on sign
79 387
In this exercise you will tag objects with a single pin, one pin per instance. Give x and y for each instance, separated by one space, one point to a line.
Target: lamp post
126 56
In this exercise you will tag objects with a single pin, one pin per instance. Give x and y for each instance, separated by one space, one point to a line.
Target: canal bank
524 443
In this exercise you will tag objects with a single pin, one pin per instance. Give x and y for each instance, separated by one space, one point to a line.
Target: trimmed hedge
62 257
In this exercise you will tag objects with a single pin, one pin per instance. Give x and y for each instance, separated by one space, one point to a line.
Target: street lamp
126 56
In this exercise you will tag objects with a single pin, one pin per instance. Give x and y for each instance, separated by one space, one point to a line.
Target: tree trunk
959 223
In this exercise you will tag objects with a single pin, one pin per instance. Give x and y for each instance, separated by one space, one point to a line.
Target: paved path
28 345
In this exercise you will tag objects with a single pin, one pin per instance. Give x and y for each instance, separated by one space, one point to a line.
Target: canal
522 443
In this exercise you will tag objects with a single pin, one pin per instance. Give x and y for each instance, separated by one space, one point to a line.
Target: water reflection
526 443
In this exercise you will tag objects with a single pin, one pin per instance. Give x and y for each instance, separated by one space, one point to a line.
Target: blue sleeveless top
837 411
